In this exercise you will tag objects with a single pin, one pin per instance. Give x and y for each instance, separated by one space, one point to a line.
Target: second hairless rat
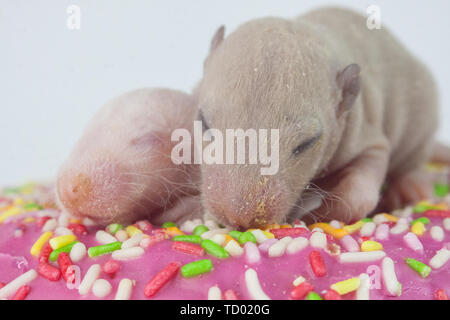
353 107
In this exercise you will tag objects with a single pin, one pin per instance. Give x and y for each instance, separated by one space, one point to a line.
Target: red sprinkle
22 293
42 220
144 225
317 264
291 232
2 285
45 253
64 263
111 267
229 295
189 248
331 295
48 271
161 278
440 295
300 291
437 213
77 228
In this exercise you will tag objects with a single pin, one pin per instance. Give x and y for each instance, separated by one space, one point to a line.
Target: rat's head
268 75
121 168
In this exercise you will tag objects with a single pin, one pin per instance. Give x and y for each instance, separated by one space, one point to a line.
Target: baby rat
352 105
121 168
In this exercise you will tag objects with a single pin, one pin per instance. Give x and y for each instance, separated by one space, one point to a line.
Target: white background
53 79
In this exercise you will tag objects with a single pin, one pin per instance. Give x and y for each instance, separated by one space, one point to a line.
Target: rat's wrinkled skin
350 104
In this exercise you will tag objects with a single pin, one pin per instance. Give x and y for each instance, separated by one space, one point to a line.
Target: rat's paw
408 189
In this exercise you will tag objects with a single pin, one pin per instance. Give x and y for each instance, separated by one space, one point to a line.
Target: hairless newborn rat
353 107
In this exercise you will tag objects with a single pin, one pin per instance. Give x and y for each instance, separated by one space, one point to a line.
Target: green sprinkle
114 227
420 267
188 238
424 220
104 249
235 234
313 296
196 268
55 253
214 249
441 190
421 208
246 237
198 230
366 220
32 206
11 190
168 224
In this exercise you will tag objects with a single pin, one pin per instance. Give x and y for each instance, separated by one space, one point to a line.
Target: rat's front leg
354 191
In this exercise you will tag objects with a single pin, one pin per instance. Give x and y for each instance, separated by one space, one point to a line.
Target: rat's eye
305 145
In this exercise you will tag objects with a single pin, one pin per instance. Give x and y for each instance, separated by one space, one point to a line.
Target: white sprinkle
252 254
317 229
188 226
18 233
298 281
413 242
14 285
209 234
367 229
234 249
214 293
278 248
335 224
318 240
446 224
104 237
133 241
78 252
89 278
400 227
390 281
253 286
50 225
101 288
124 290
88 222
219 239
437 233
440 258
128 253
297 245
355 257
121 235
379 218
63 219
259 235
211 224
363 291
62 231
382 232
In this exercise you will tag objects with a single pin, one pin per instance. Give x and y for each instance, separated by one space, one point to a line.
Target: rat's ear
216 41
349 83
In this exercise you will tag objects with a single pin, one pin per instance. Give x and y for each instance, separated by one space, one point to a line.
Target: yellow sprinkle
346 286
370 245
353 227
268 234
337 233
440 206
390 217
37 246
174 231
285 226
74 220
271 226
28 220
19 202
132 230
418 228
14 211
61 241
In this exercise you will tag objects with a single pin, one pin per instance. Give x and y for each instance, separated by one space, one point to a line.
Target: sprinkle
382 232
14 211
424 220
101 288
50 225
298 280
48 271
196 268
269 235
40 222
246 237
253 285
147 242
128 253
391 284
264 247
209 234
229 295
278 248
338 233
371 246
252 254
418 228
335 224
422 207
189 248
289 232
114 227
187 227
440 258
77 228
350 244
218 238
214 293
446 224
313 296
111 267
354 227
144 225
121 235
104 237
317 263
301 290
356 257
363 291
318 240
331 295
214 249
172 231
62 231
420 267
198 230
390 217
211 224
64 263
233 248
124 290
168 224
22 293
89 278
37 246
62 241
399 228
380 219
132 230
259 236
437 233
367 229
161 278
104 249
45 253
413 242
133 241
297 245
437 213
440 295
346 286
55 253
17 283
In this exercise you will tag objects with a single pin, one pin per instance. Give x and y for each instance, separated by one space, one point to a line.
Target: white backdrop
53 79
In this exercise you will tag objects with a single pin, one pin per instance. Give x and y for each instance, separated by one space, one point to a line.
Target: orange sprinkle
337 233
